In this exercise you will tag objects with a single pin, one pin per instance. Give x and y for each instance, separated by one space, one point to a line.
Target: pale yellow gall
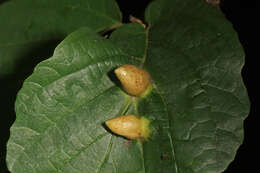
130 126
135 81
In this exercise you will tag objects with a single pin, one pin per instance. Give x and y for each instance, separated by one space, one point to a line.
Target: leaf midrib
166 107
133 101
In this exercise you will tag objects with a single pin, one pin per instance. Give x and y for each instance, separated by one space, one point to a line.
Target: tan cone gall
134 80
130 126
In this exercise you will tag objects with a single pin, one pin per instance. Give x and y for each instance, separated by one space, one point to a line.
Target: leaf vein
108 152
169 134
83 149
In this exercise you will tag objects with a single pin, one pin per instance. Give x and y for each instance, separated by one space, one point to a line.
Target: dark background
241 13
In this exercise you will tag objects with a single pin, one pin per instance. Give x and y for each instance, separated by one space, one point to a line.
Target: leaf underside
197 105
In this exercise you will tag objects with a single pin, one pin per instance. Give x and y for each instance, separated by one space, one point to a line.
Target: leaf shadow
112 76
12 83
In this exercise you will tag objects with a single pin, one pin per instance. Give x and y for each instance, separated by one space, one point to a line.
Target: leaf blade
50 98
202 57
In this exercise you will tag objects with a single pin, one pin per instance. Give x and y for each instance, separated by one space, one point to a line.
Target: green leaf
61 108
197 105
195 60
29 27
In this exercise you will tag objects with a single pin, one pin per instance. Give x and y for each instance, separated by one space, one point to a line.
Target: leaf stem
126 107
146 47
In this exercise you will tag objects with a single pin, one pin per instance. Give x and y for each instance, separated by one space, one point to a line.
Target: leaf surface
195 60
197 105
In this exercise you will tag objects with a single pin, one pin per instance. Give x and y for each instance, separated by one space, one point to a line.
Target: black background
241 13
